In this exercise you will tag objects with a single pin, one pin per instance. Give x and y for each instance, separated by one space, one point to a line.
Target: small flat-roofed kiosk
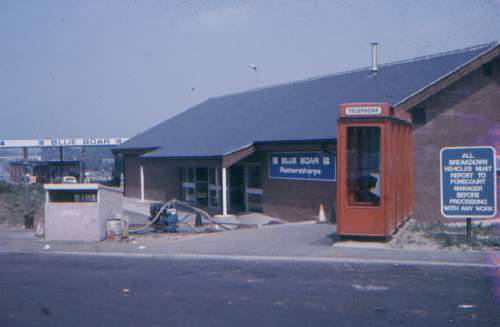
78 212
374 185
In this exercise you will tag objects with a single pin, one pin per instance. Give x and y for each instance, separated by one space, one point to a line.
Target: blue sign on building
316 166
468 182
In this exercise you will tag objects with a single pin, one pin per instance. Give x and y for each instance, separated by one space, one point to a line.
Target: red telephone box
374 160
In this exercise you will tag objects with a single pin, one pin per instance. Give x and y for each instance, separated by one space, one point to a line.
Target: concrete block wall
82 221
110 202
467 113
73 222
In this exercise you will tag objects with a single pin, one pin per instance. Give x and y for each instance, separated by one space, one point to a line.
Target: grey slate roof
297 111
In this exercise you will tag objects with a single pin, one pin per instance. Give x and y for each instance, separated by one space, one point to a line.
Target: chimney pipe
374 57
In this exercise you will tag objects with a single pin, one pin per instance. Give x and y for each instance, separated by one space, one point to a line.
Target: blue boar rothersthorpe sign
316 166
468 182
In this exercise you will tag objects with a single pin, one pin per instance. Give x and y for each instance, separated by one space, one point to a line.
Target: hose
175 201
132 231
203 212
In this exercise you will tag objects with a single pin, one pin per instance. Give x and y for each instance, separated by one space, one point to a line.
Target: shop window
201 179
214 187
212 178
418 116
188 185
214 199
188 194
363 165
201 185
188 175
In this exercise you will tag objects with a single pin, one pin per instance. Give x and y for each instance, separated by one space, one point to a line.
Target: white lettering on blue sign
468 182
317 166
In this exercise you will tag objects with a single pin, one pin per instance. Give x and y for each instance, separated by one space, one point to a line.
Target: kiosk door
363 177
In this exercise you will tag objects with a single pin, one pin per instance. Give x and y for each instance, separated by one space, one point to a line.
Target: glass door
253 190
363 165
202 186
237 188
214 187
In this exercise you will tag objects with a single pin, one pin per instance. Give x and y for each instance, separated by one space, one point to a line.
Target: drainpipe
142 182
224 192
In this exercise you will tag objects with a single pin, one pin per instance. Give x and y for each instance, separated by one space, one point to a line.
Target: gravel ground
451 236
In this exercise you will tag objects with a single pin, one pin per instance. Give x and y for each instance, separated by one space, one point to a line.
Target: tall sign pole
468 183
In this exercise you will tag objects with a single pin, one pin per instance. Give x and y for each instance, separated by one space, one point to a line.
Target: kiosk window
72 196
363 165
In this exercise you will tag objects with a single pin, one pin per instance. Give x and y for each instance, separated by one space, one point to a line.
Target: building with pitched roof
219 154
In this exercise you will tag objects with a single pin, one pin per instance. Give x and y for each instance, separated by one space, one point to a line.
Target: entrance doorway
203 186
237 188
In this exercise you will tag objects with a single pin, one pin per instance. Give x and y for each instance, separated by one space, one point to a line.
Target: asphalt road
51 290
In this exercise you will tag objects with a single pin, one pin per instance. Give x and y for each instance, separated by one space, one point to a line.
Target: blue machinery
164 217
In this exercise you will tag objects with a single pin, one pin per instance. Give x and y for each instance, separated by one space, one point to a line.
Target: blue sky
115 68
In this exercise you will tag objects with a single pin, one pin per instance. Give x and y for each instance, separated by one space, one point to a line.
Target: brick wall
294 200
467 113
132 187
298 200
161 180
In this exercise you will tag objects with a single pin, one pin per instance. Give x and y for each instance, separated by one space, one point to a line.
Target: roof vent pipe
374 57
